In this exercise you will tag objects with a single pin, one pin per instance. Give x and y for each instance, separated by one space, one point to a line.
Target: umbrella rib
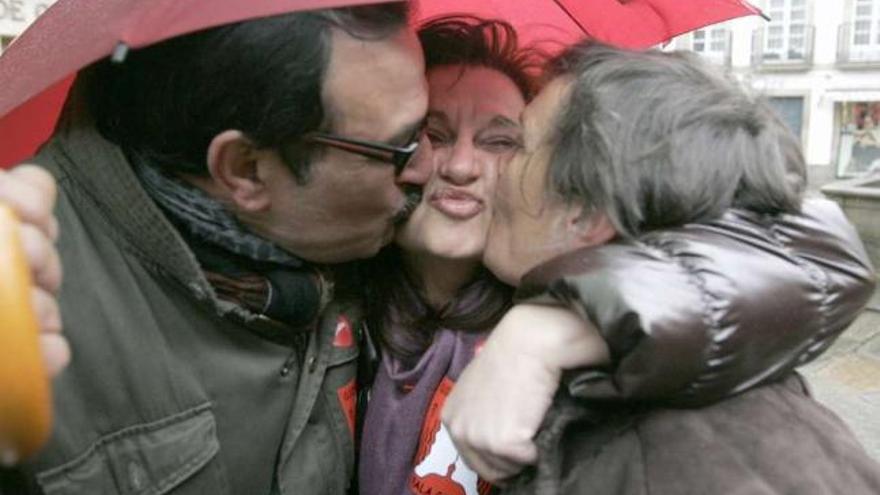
748 6
571 16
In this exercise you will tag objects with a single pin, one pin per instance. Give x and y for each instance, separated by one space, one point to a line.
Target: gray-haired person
638 173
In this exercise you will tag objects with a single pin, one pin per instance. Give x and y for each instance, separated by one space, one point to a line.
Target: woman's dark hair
395 301
404 324
263 77
658 139
468 41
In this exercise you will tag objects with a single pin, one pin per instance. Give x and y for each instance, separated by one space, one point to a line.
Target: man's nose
461 165
418 171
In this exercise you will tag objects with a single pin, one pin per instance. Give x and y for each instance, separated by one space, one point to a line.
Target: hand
499 402
30 191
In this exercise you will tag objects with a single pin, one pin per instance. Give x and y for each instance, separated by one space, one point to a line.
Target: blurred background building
818 63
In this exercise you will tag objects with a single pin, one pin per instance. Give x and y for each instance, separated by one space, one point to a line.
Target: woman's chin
444 249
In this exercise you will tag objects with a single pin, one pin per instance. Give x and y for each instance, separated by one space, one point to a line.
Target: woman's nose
460 165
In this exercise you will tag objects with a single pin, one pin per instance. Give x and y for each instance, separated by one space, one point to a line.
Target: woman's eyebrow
502 121
437 115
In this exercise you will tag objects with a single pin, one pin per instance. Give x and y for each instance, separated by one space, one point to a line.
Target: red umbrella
624 23
37 69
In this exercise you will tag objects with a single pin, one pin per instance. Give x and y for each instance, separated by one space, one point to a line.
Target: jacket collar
100 169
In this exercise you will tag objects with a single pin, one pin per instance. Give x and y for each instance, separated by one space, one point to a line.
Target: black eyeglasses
399 157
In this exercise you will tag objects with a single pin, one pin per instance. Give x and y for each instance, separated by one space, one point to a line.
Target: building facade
818 64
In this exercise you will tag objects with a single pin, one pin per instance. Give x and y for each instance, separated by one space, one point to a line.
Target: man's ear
590 228
233 162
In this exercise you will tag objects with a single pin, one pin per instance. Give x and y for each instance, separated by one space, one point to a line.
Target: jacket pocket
147 459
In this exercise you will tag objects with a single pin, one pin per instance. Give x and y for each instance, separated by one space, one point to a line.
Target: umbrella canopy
623 23
38 68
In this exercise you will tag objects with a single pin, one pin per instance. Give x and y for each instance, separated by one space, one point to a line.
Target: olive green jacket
170 390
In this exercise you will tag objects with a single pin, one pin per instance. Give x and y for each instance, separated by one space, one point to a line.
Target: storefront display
859 144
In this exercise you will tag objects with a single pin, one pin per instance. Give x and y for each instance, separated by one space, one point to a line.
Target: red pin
344 337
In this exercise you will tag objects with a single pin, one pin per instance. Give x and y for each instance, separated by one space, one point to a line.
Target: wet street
847 377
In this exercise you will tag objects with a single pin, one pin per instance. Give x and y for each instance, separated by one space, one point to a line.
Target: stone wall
860 200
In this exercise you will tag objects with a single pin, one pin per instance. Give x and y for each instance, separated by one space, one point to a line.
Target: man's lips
456 203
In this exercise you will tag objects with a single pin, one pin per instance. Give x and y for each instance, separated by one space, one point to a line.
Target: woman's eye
436 137
501 144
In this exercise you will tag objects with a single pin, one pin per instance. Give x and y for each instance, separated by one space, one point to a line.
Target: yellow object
25 416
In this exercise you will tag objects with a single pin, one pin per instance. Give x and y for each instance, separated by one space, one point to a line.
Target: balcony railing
794 51
856 51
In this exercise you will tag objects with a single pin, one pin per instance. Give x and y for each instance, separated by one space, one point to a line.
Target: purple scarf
405 449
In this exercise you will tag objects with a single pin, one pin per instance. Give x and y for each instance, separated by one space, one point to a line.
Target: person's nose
461 166
419 170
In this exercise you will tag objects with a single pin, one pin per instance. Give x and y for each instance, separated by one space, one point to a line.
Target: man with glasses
398 156
204 185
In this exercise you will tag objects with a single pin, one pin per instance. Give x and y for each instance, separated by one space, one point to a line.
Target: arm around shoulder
693 314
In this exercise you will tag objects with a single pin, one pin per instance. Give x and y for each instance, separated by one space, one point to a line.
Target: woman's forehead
474 92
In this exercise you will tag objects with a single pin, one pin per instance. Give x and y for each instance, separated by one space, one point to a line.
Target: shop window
859 143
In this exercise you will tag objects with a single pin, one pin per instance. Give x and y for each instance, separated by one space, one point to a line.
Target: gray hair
658 139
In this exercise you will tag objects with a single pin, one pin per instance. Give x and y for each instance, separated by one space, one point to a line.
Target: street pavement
846 379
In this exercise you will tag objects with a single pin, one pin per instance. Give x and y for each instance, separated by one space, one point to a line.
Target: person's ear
233 162
591 228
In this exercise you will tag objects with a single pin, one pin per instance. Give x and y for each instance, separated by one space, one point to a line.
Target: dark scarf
242 267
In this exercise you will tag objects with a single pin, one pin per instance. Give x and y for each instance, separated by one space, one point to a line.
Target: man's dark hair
263 77
468 41
660 139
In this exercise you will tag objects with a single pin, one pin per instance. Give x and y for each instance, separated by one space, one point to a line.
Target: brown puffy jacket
721 308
